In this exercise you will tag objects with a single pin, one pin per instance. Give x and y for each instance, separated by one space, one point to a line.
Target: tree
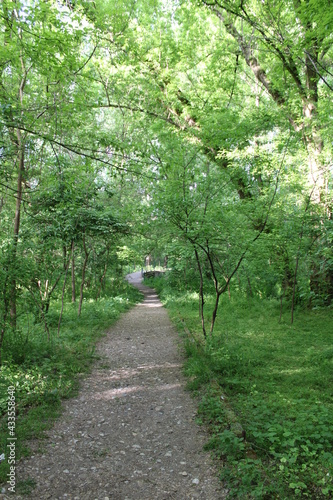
144 115
286 46
30 62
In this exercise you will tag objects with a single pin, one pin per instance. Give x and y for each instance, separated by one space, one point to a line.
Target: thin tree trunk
201 294
84 267
217 299
19 142
40 305
45 322
65 257
294 283
250 287
103 276
73 272
4 317
45 325
46 297
16 228
62 297
298 255
2 337
101 282
216 286
281 303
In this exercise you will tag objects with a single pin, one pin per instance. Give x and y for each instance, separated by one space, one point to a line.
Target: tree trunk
103 276
16 228
4 314
73 272
65 257
298 256
17 140
63 295
41 308
294 290
201 294
281 304
307 88
84 267
250 287
216 306
101 282
46 296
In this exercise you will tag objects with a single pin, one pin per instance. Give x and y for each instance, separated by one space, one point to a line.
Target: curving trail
130 434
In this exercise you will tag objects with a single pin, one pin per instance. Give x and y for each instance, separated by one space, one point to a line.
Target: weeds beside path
130 433
266 392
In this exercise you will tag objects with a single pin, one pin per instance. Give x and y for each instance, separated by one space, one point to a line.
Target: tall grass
266 393
44 372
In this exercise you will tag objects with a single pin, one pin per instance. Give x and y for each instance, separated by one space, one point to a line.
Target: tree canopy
194 135
196 130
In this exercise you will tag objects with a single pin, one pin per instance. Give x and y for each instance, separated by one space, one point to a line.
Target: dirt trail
130 434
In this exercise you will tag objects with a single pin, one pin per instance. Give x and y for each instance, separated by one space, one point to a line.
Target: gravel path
130 434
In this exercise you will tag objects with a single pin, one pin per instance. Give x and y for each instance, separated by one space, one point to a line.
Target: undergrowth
265 393
43 371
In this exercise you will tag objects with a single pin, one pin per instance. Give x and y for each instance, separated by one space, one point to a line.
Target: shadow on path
130 434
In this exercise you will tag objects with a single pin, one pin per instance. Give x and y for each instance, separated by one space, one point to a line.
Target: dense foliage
264 388
194 133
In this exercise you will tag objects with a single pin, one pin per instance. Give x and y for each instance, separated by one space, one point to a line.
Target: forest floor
130 434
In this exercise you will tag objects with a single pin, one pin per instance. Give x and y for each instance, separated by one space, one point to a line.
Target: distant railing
152 274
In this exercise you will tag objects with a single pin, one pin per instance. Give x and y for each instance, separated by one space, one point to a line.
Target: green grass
44 372
276 382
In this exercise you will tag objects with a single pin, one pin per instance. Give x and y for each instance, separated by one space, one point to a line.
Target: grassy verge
266 393
43 372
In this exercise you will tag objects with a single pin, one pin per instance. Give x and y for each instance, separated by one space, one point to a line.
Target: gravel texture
130 434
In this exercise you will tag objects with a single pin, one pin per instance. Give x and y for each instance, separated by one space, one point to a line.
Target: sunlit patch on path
111 394
130 434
